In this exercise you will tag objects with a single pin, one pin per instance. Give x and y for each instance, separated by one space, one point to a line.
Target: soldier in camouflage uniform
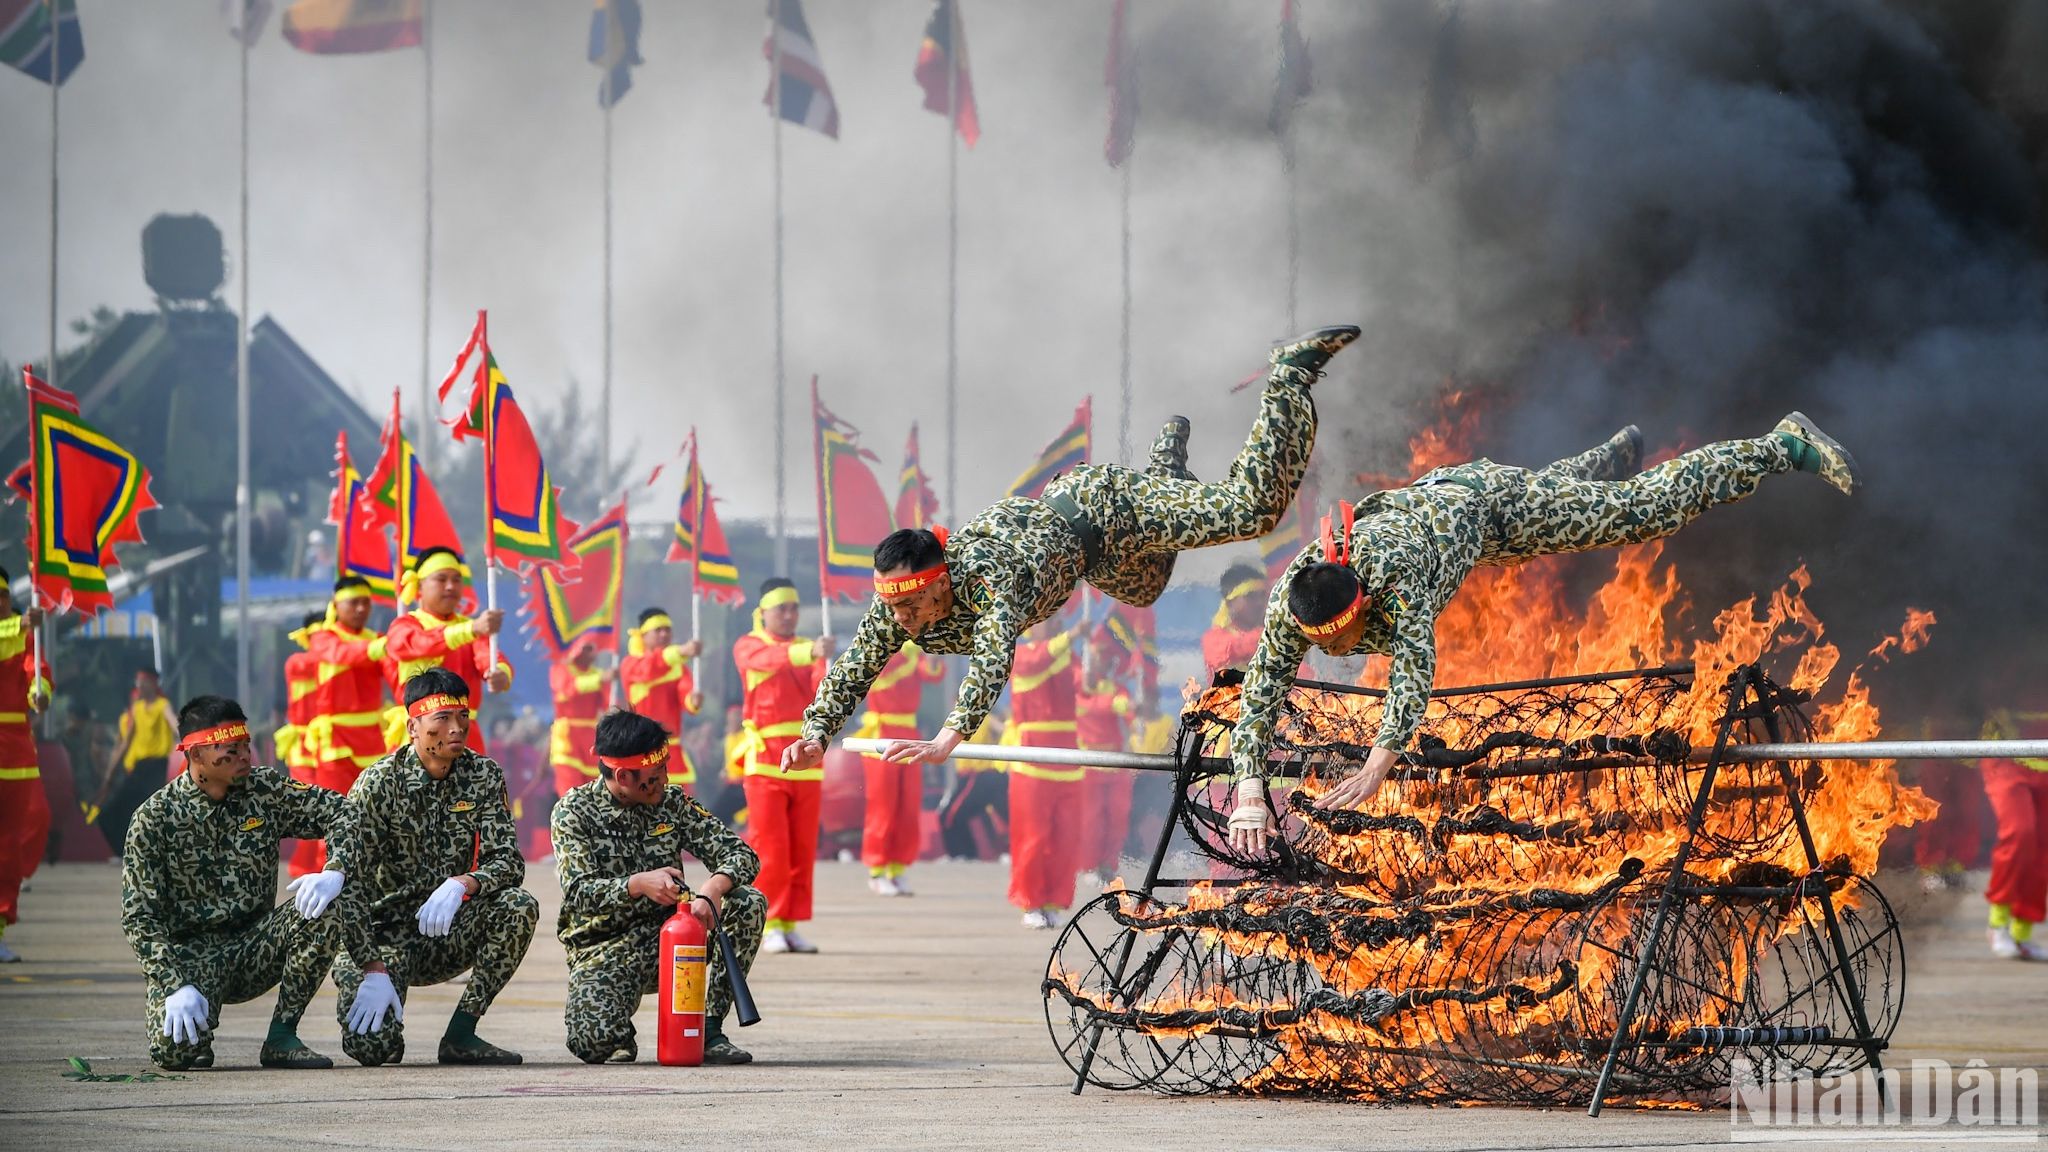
1391 571
198 874
618 841
975 591
422 815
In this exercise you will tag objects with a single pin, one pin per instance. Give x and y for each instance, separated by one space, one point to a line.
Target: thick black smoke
1696 217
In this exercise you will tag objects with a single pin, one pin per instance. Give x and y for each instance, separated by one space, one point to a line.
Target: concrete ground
919 1026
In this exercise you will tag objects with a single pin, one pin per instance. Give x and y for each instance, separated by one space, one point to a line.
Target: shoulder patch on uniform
252 823
979 597
662 829
461 806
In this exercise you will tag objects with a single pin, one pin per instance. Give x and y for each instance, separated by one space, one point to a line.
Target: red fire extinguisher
681 1025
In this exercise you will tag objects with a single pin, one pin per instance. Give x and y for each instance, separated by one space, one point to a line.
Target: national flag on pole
84 492
1068 449
245 18
588 608
358 551
615 47
399 495
916 503
806 96
26 43
853 514
700 540
942 69
341 27
1120 72
1292 85
524 507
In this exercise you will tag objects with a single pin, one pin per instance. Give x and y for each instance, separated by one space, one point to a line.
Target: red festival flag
700 539
84 493
338 27
1069 449
588 608
523 507
853 514
916 504
400 495
942 69
358 551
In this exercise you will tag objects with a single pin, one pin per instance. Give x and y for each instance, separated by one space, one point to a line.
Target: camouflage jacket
1412 548
1013 566
600 842
195 869
411 832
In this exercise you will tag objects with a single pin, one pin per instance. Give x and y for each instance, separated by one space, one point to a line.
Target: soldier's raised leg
1617 458
1559 513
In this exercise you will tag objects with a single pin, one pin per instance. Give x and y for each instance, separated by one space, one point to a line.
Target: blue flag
26 43
615 47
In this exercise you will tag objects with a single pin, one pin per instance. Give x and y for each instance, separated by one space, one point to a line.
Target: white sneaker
1054 917
1036 919
774 941
1932 882
795 943
2003 945
2031 949
902 884
884 886
9 955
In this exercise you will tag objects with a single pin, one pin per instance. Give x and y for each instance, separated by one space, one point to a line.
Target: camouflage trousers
1575 505
1147 518
607 979
284 950
489 936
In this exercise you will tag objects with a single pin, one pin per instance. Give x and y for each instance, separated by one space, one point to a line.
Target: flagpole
244 686
824 546
427 405
781 400
952 254
490 535
50 372
605 403
1293 223
1123 415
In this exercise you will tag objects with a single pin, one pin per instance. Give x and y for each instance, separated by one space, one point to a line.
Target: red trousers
1956 834
891 834
1045 840
2019 861
24 831
569 776
335 776
310 855
1105 819
782 825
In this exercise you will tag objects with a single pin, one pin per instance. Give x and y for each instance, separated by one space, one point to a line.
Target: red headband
233 732
889 588
1336 552
435 703
636 763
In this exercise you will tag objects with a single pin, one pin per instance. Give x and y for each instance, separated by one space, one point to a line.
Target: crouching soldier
198 873
618 851
438 868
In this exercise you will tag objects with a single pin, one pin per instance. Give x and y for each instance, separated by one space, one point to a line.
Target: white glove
439 911
373 996
315 892
1251 810
185 1016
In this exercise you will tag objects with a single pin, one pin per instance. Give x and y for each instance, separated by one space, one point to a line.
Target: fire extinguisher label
686 989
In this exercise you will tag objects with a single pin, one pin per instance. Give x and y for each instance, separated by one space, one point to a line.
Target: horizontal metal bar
1662 671
1746 753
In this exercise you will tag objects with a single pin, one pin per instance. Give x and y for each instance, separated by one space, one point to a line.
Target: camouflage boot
1815 451
1303 358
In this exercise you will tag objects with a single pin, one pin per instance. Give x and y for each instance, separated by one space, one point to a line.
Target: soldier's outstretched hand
934 751
803 754
1354 790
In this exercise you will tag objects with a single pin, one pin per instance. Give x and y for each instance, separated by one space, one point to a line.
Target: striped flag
700 539
853 515
1067 450
343 27
588 608
916 503
615 47
26 43
357 550
1292 85
523 505
400 495
806 96
942 68
85 492
1120 72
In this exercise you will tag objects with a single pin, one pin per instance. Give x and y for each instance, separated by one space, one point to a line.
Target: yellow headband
653 622
409 584
777 597
636 644
352 592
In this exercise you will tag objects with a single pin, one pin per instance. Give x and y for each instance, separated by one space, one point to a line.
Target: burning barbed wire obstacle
1572 895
